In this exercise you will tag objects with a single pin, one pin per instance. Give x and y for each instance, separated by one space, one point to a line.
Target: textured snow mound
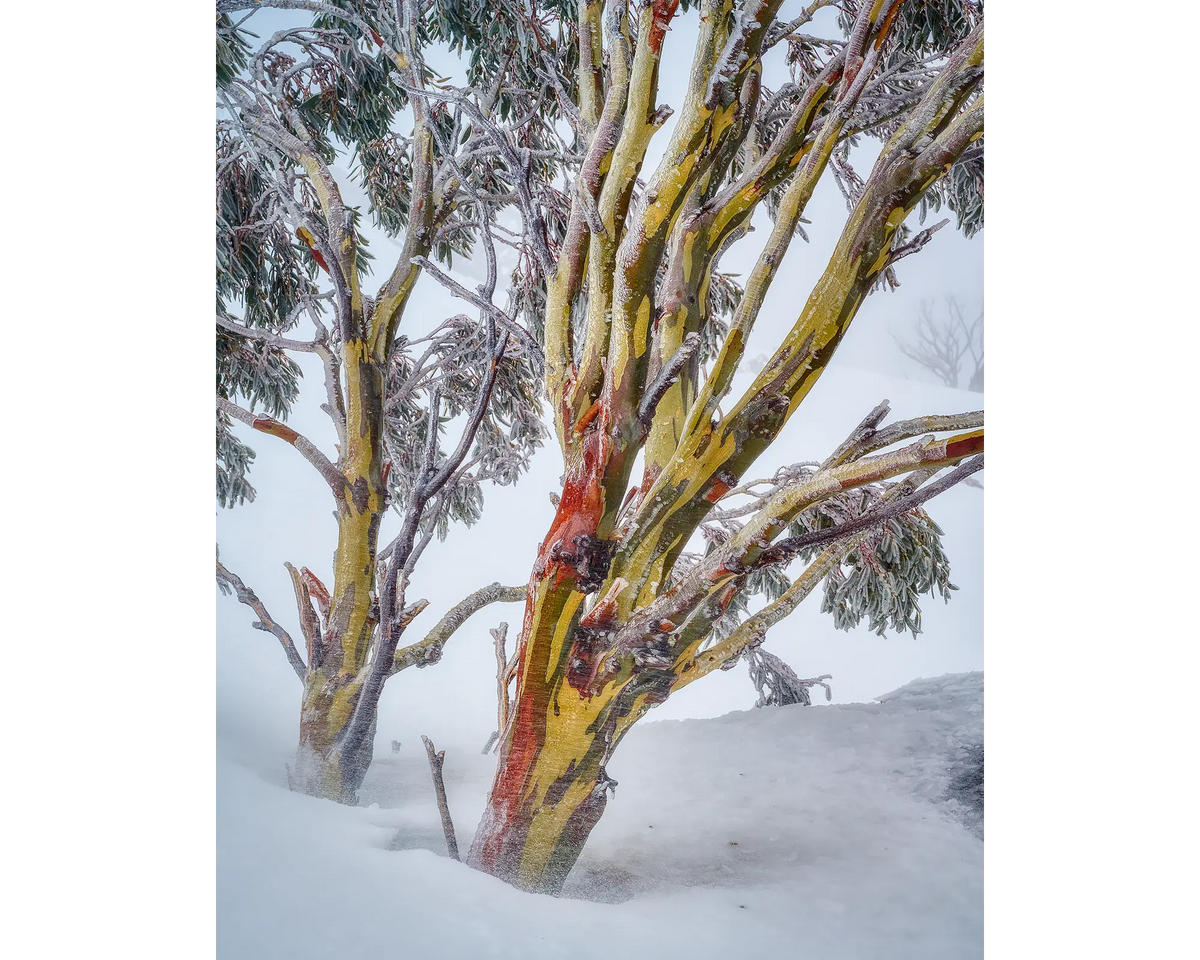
840 831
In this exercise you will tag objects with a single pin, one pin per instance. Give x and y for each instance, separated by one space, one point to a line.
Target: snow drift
844 831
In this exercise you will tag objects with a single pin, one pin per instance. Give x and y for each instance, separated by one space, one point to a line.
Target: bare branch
667 376
307 449
310 624
873 440
866 429
531 348
917 242
429 650
435 767
247 596
302 346
783 31
499 637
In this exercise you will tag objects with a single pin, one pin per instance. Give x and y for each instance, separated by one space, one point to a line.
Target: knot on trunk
655 653
583 666
590 559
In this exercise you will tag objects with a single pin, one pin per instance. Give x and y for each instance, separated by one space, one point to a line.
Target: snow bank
842 831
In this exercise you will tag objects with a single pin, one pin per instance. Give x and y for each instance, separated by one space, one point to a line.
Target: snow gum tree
617 306
619 613
421 414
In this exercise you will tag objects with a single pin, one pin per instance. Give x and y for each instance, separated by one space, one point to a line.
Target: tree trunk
551 785
534 842
588 670
323 768
336 737
549 792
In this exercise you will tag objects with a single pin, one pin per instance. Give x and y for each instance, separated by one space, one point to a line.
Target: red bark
662 12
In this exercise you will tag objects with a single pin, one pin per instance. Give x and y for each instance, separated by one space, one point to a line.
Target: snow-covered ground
840 831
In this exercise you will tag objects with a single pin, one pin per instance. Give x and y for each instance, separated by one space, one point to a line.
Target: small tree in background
946 346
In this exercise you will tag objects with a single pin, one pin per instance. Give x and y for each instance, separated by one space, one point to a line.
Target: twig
500 636
866 429
435 766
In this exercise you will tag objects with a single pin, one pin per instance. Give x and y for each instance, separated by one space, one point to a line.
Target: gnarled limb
226 577
307 448
429 650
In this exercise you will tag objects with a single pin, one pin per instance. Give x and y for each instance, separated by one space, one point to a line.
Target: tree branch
906 500
842 540
503 677
435 767
531 348
310 624
865 441
667 376
276 429
247 596
303 346
429 650
741 553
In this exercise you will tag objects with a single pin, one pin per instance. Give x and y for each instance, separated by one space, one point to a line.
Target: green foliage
962 191
383 166
233 461
232 50
492 36
263 277
926 27
346 95
724 295
884 578
263 273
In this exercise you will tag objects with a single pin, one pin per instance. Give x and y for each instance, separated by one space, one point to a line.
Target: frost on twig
777 683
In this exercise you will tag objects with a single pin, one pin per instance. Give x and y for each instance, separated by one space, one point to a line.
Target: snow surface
838 831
